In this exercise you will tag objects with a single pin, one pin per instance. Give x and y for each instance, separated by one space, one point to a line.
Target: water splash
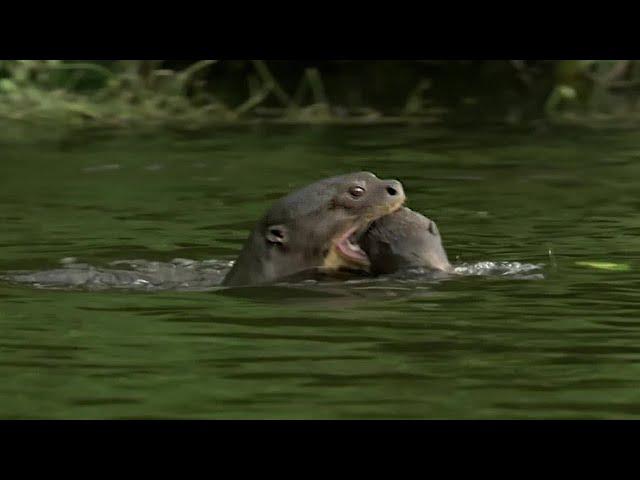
178 274
193 275
518 270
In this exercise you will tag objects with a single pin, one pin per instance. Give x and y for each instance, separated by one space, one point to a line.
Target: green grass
125 95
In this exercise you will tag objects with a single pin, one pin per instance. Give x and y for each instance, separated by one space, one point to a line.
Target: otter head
315 227
404 239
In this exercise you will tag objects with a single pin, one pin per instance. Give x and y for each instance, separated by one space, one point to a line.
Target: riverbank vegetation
197 95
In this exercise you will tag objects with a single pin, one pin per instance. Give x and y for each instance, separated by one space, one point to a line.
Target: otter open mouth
347 247
345 252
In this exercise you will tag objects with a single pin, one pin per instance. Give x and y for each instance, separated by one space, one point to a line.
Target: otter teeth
355 248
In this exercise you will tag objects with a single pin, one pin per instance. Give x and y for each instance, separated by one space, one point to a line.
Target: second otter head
315 226
404 239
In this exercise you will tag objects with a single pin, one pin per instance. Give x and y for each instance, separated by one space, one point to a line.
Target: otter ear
277 234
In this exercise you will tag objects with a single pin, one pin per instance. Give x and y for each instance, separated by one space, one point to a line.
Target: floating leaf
616 267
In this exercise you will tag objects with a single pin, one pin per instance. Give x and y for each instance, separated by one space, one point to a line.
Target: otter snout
394 189
394 193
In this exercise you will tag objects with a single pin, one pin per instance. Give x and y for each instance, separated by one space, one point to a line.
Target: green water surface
494 346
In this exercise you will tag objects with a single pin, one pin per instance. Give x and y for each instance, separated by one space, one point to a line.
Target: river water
534 327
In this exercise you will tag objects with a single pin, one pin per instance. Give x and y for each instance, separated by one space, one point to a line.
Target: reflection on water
523 329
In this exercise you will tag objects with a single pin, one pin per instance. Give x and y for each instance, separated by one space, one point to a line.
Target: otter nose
394 188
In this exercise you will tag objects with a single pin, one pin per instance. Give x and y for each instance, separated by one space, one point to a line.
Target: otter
315 227
404 239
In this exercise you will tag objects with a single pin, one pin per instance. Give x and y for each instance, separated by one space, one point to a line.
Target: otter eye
356 191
